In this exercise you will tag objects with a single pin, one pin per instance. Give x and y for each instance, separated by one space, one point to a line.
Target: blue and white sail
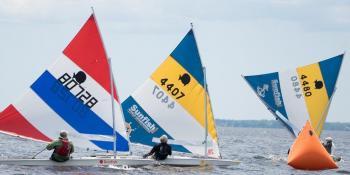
298 95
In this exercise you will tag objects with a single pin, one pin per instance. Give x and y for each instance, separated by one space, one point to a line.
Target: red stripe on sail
11 121
87 51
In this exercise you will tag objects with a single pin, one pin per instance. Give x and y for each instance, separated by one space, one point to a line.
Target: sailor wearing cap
62 148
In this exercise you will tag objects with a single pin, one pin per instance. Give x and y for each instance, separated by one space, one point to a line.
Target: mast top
92 9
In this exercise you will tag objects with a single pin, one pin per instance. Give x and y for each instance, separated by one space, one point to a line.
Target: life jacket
64 149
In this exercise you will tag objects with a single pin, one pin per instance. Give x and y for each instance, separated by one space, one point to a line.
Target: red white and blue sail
171 102
298 95
74 94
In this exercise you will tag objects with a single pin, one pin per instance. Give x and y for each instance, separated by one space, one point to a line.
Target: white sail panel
293 99
191 133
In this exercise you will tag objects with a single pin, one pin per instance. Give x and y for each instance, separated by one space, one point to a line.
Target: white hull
120 161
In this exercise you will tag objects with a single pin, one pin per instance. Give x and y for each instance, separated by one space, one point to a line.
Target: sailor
328 144
62 148
128 128
161 150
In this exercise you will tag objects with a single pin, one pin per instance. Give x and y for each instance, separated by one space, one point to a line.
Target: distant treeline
275 124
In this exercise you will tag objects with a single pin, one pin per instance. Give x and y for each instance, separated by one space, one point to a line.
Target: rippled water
261 151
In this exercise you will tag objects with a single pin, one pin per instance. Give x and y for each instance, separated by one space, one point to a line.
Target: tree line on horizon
338 126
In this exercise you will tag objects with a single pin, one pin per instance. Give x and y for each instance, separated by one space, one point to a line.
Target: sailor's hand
145 156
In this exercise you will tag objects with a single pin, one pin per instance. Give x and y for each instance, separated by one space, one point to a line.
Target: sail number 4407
174 91
163 97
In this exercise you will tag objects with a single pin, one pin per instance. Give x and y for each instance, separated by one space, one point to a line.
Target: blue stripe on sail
109 145
267 87
330 69
186 54
72 110
144 128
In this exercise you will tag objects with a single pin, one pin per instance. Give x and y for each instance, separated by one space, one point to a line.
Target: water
261 151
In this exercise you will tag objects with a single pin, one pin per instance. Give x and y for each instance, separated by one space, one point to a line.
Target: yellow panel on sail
315 94
189 94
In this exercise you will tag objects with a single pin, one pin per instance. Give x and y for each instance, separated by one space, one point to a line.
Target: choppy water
261 151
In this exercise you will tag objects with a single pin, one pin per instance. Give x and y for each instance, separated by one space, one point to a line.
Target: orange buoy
307 152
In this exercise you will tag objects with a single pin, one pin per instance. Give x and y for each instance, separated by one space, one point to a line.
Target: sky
234 38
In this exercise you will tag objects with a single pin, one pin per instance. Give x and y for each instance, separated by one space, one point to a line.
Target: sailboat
174 101
298 95
74 94
77 94
300 100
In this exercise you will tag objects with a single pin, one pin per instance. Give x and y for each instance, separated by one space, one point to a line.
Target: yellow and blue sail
171 102
299 95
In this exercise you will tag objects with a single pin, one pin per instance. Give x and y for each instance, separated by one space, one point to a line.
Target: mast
205 100
324 113
112 87
121 110
113 112
211 109
205 114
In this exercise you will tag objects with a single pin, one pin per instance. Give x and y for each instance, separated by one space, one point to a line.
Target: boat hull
122 161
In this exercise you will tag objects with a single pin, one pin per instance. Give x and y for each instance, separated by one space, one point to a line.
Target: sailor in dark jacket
161 150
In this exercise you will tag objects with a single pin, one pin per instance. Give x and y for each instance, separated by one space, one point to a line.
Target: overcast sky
234 38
